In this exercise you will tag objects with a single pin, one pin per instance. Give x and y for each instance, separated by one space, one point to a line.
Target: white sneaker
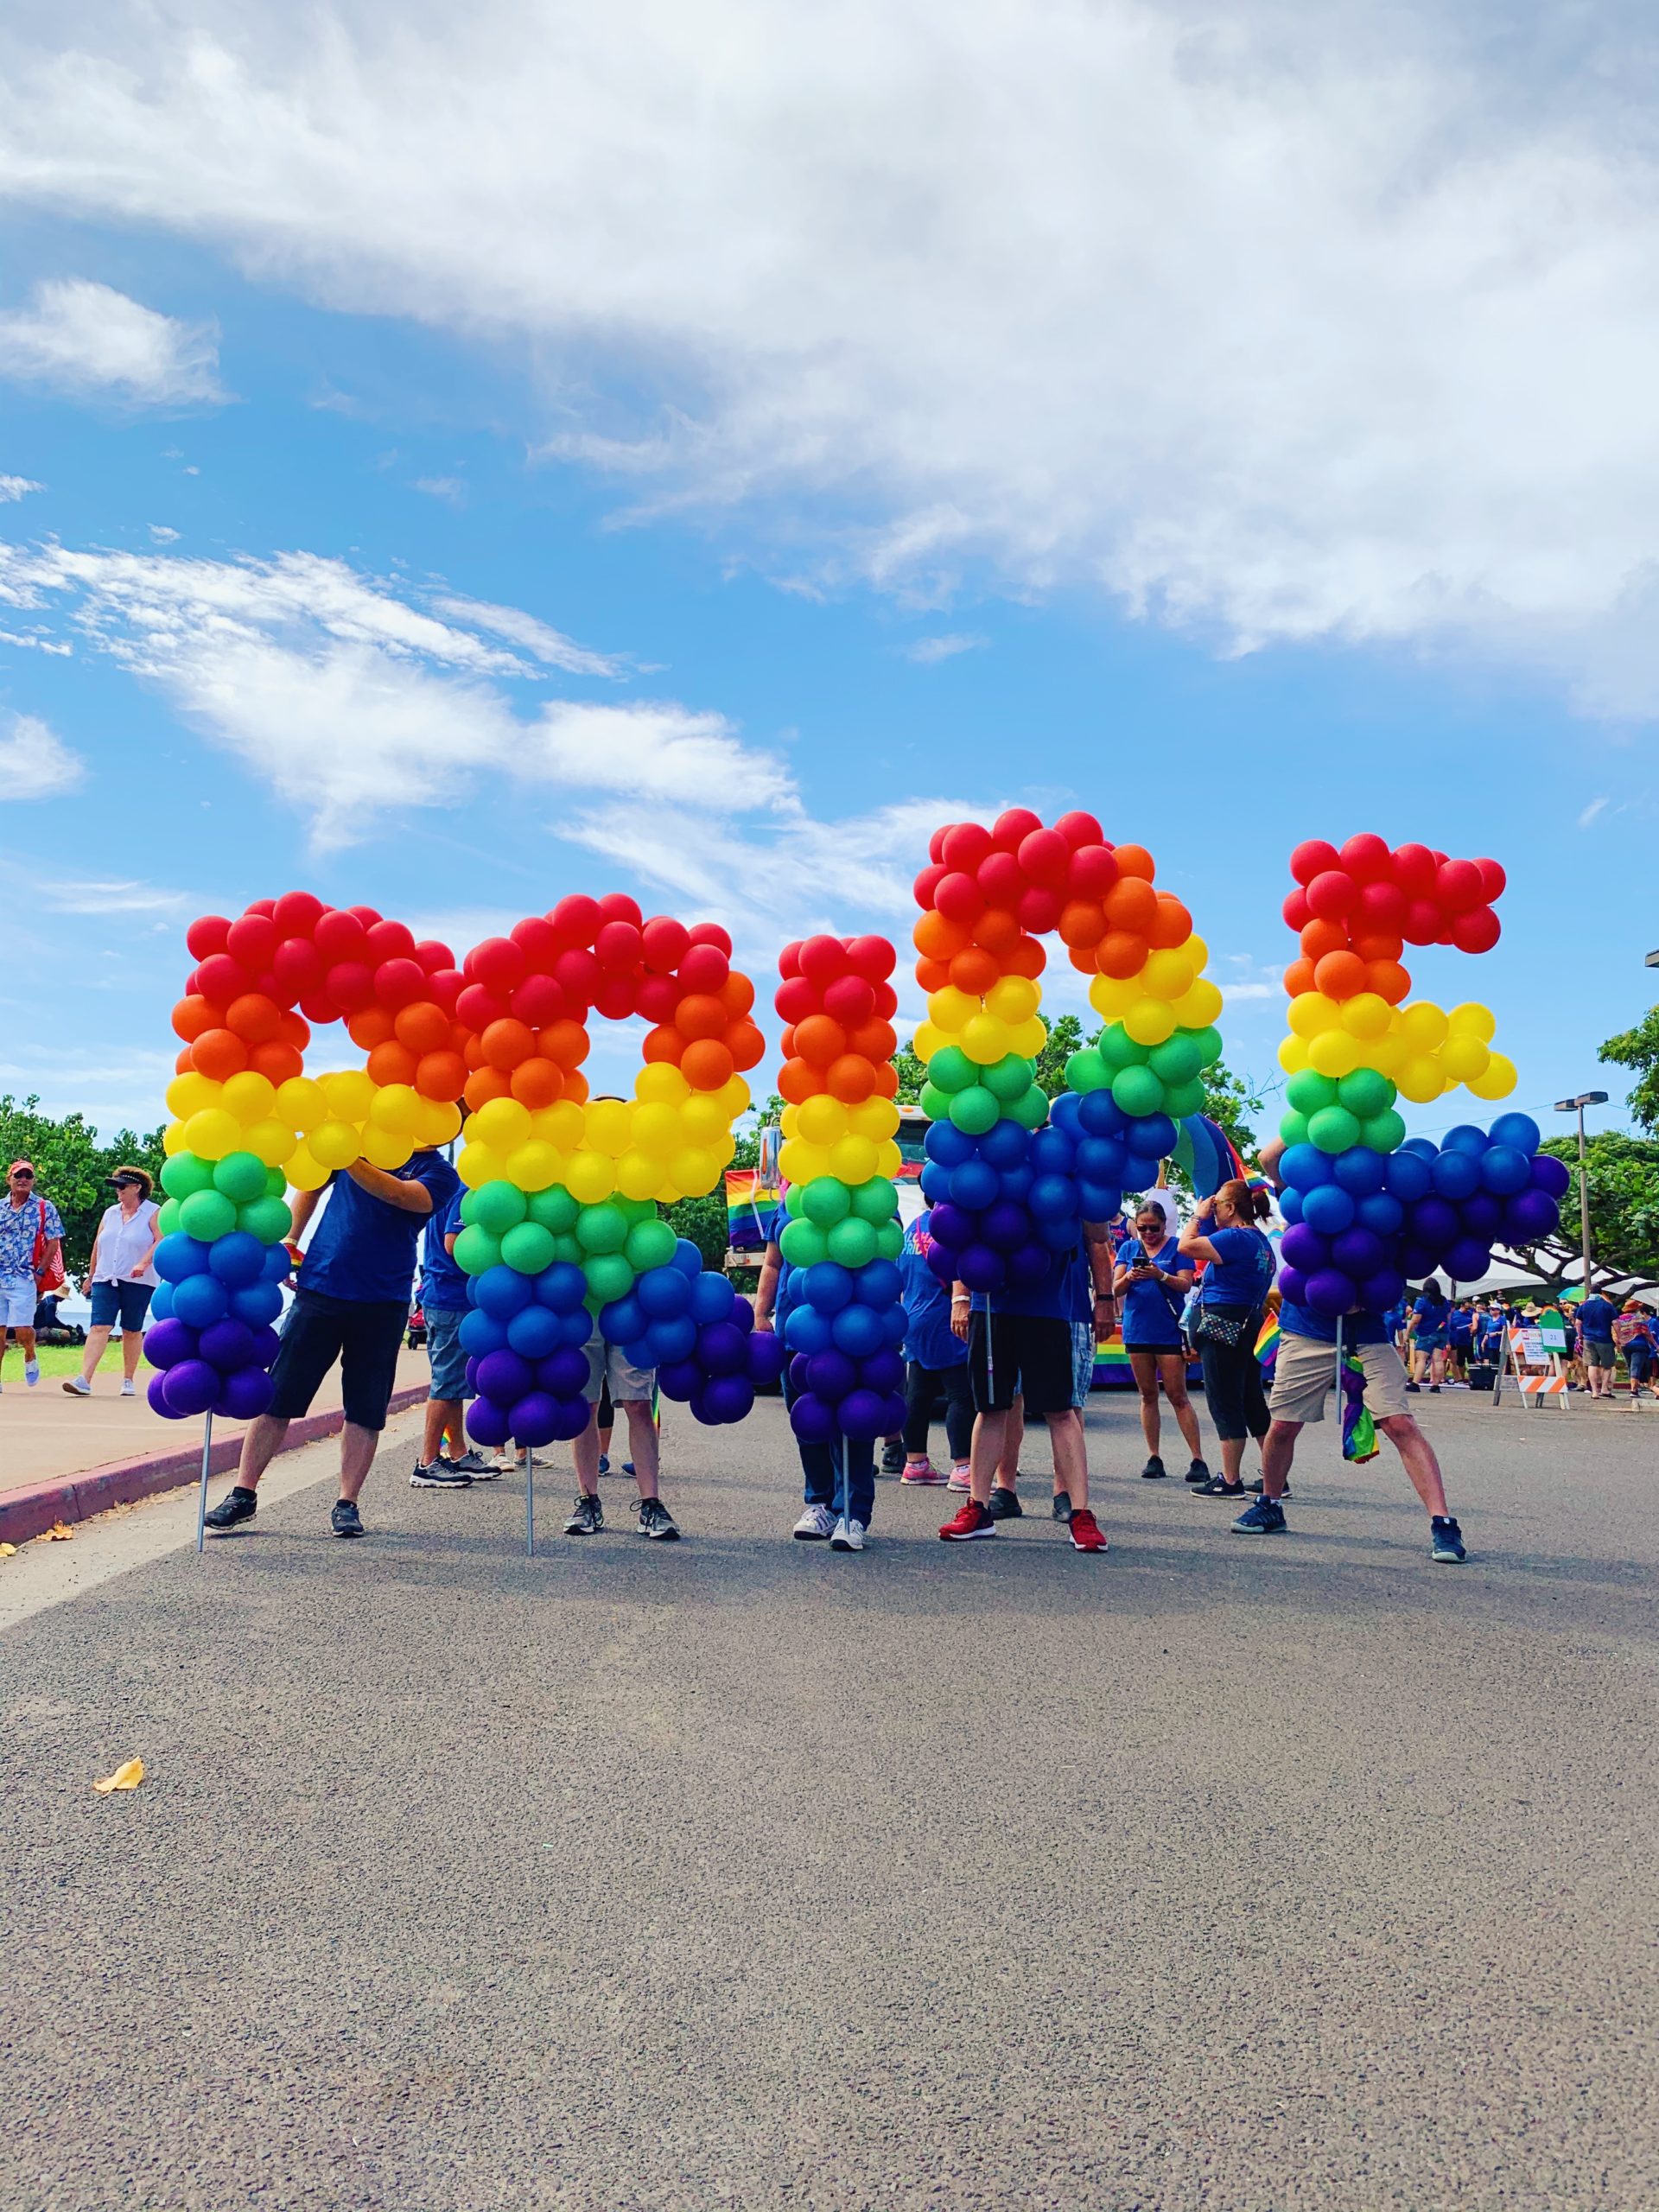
78 1387
129 1388
31 1372
815 1524
849 1536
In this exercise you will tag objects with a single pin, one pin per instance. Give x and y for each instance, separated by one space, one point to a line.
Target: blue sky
456 545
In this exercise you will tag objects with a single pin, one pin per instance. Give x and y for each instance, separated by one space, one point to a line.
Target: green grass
60 1360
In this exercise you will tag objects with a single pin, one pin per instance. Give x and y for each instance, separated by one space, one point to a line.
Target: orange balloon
821 1040
185 1062
424 1027
567 1043
665 1042
507 1042
875 1039
485 1083
442 1075
1170 925
1131 904
746 1045
1388 979
851 1078
392 1062
1121 953
1134 861
797 1082
737 993
537 1082
973 971
1025 957
370 1027
219 1054
1082 921
936 939
293 1029
276 1061
1298 977
699 1014
1082 957
1339 975
1320 937
192 1015
707 1066
934 974
255 1018
886 1081
575 1088
997 930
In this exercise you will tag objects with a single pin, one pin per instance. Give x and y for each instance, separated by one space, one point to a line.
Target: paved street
1254 1875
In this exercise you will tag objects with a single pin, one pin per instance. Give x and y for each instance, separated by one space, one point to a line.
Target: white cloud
35 762
81 337
110 897
655 751
928 651
18 487
1279 321
1589 814
163 535
547 645
442 487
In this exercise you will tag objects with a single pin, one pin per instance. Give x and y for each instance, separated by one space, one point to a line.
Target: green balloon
498 1207
1138 1090
566 1247
609 1277
889 1241
1176 1060
1119 1050
935 1103
1007 1078
602 1227
1365 1092
650 1244
875 1201
951 1069
1031 1111
803 1243
528 1248
477 1250
276 1182
1307 1090
1208 1041
267 1218
185 1173
1293 1127
1181 1099
205 1214
825 1201
241 1177
1086 1070
633 1210
1333 1129
975 1111
852 1242
1384 1132
168 1216
555 1208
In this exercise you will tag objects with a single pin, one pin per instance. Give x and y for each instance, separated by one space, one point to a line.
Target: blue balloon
895 1325
936 1181
1101 1160
806 1330
624 1320
1053 1198
258 1304
1290 1207
1519 1131
277 1263
563 1287
1304 1167
161 1306
199 1301
1424 1148
1465 1138
1456 1175
501 1291
878 1282
857 1330
974 1185
1328 1210
712 1297
1359 1170
1504 1169
1099 1113
178 1257
948 1144
828 1287
1381 1212
237 1258
1407 1175
675 1337
1052 1153
1153 1135
1066 1113
1100 1201
482 1332
575 1328
687 1258
1016 1182
1004 1144
662 1291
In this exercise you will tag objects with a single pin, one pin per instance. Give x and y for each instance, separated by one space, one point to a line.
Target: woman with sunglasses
31 1237
121 1279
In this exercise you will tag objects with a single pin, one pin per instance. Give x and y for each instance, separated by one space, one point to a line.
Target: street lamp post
1577 1106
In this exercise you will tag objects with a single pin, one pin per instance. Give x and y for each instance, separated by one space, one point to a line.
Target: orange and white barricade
1536 1373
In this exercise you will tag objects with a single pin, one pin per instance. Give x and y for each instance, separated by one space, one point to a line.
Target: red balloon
789 960
1079 829
711 933
339 936
959 898
1475 930
1458 886
445 986
1413 870
1493 878
872 957
849 1000
399 982
1009 831
538 1001
965 846
222 979
927 882
706 967
296 913
822 958
1296 911
654 998
297 968
389 941
613 999
935 844
1093 870
350 983
1330 895
207 935
266 906
886 1001
576 918
797 998
537 938
999 876
617 906
367 915
253 942
1045 858
664 942
478 1008
1316 857
1039 910
1381 905
618 946
578 975
498 964
1422 923
1366 858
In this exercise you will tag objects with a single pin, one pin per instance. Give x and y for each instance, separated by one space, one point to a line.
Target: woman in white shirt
121 1279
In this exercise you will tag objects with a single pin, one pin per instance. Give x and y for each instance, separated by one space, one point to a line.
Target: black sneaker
1264 1518
1062 1508
346 1520
1198 1473
441 1474
1446 1545
1004 1505
1257 1489
1217 1488
588 1519
1433 1389
1414 1386
893 1458
656 1520
233 1508
1155 1470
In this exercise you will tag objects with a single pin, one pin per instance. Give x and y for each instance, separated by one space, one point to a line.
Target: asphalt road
1215 1874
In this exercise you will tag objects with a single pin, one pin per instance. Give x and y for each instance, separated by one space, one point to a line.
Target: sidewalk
64 1459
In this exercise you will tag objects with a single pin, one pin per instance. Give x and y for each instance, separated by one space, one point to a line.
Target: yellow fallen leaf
57 1534
6 1550
124 1778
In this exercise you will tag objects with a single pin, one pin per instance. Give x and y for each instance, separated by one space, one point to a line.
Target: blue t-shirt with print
1596 1318
363 1247
1054 1297
19 1227
443 1285
1459 1328
1432 1318
1152 1314
1241 1271
928 1337
1357 1328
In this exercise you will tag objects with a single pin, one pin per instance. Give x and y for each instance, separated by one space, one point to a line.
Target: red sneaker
1085 1532
971 1520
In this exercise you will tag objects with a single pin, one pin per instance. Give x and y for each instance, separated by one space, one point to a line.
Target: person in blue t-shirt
935 1363
1460 1335
1598 1318
443 1302
1150 1282
1238 1265
351 1306
838 1480
1427 1333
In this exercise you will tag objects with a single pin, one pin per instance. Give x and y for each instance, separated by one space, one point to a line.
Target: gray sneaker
588 1519
656 1520
439 1474
475 1465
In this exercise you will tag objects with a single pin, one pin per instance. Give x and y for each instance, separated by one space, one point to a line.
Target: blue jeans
821 1465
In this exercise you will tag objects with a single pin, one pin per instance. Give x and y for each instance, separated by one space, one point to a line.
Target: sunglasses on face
24 1175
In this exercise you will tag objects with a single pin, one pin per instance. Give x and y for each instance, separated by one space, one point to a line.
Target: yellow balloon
696 1168
1464 1058
985 1039
735 1097
251 1097
212 1133
1197 951
335 1144
1419 1080
439 1123
1367 1015
1029 1038
725 1152
1334 1052
1111 996
349 1093
1150 1022
889 1161
384 1148
503 1122
1423 1026
800 1161
638 1174
951 1010
610 1127
876 1118
657 1129
1471 1019
172 1139
561 1126
191 1094
270 1140
821 1119
1013 999
853 1159
1198 1008
659 1083
1498 1079
478 1164
304 1172
589 1176
397 1108
927 1040
1293 1055
300 1103
1168 975
1312 1013
534 1165
704 1121
1387 1054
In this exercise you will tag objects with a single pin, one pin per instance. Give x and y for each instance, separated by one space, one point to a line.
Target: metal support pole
1341 1407
1584 1203
201 1493
529 1503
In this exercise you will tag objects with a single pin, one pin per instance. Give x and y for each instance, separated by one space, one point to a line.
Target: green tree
1230 1100
912 1074
1065 1037
1623 1211
1638 1048
71 1167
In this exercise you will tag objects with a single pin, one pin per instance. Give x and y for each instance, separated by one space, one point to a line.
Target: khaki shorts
1307 1368
629 1384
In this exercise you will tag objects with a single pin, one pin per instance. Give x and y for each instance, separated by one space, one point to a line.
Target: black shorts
1030 1353
1157 1352
364 1337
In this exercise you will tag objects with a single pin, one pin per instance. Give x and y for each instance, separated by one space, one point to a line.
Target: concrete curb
31 1512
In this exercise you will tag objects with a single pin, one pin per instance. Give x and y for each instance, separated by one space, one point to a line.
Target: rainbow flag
751 1209
1266 1347
1358 1429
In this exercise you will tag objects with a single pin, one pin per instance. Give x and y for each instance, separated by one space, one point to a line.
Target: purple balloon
506 1378
765 1356
1357 1253
245 1395
1467 1259
1306 1249
980 1268
722 1349
1382 1290
728 1398
1293 1286
155 1392
228 1345
883 1372
563 1373
534 1419
1482 1216
1432 1222
1530 1215
570 1418
678 1378
812 1422
486 1423
862 1412
1005 1226
942 1263
1028 1267
166 1343
1330 1292
950 1226
190 1387
1551 1174
831 1375
892 1415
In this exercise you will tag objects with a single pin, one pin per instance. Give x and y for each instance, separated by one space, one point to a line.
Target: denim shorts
127 1301
18 1299
446 1352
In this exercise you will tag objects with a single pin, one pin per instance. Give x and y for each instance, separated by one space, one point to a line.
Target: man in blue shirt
1598 1317
352 1307
1306 1371
443 1304
936 1361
